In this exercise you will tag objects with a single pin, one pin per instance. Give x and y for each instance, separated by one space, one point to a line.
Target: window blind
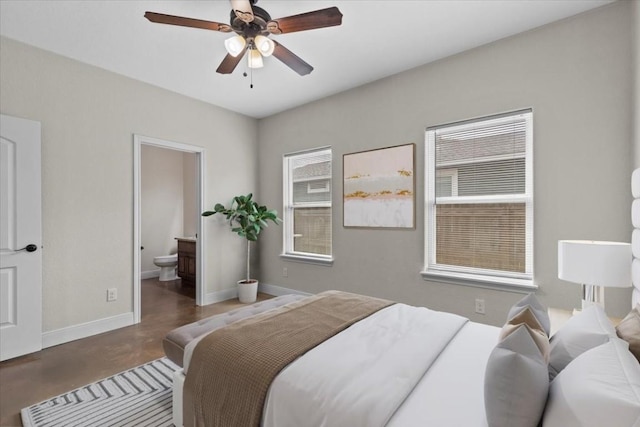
483 225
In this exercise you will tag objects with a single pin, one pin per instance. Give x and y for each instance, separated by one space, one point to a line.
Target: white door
20 238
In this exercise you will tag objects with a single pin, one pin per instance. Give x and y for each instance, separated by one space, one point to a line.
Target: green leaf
245 216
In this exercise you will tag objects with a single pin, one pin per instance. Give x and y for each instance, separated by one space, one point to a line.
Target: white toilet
167 264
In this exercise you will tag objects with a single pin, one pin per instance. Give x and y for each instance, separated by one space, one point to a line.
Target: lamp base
592 294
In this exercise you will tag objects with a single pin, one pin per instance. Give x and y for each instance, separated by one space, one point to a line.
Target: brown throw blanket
232 368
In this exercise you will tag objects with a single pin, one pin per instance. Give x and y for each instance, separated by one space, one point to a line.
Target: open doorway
168 199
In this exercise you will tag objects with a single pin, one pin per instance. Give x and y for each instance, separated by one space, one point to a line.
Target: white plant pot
247 292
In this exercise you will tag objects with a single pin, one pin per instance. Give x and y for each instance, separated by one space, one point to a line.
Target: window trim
288 211
484 278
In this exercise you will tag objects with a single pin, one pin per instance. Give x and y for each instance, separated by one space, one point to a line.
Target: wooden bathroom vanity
187 260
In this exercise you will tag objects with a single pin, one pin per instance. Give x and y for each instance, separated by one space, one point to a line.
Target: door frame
138 142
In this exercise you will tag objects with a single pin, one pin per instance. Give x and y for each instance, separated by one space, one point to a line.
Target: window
307 206
479 201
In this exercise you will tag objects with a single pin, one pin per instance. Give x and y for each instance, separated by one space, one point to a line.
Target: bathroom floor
169 287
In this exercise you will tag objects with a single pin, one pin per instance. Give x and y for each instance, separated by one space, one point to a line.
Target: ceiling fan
252 26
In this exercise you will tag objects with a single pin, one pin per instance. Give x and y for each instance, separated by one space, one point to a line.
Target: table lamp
595 265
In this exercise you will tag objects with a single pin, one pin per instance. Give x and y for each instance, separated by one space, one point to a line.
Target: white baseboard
84 330
150 274
218 296
277 291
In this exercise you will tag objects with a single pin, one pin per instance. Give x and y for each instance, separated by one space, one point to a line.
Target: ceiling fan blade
161 18
322 18
242 9
229 63
291 60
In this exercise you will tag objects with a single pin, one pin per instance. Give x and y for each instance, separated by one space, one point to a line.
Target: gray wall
88 118
576 75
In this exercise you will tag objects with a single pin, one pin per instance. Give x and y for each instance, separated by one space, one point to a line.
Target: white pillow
590 328
601 387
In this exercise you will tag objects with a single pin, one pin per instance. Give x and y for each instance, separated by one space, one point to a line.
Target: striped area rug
138 397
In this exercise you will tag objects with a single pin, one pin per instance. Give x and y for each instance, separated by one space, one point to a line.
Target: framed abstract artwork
379 188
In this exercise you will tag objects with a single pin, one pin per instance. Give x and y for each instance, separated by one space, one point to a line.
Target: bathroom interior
168 217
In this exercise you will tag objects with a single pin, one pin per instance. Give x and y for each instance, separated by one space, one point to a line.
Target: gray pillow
538 309
516 381
601 387
586 330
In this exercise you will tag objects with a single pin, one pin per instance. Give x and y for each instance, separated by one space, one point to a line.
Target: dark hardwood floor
33 378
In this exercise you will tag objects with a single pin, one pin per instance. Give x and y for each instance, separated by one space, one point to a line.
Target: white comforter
362 375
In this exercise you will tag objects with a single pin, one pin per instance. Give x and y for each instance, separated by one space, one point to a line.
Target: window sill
474 280
308 259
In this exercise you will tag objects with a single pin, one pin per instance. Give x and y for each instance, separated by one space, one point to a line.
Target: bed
429 394
403 366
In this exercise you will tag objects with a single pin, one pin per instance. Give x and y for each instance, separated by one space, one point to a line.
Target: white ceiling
376 39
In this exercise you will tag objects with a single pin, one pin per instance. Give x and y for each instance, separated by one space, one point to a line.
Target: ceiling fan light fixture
235 45
254 59
264 45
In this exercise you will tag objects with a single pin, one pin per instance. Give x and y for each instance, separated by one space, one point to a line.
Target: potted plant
246 218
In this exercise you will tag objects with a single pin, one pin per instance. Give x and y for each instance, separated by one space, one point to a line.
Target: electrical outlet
112 294
285 272
480 306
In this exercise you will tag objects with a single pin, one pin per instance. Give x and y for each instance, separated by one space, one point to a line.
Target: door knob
28 248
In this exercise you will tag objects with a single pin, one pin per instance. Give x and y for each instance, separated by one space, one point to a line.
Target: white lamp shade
595 263
235 45
264 45
254 59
